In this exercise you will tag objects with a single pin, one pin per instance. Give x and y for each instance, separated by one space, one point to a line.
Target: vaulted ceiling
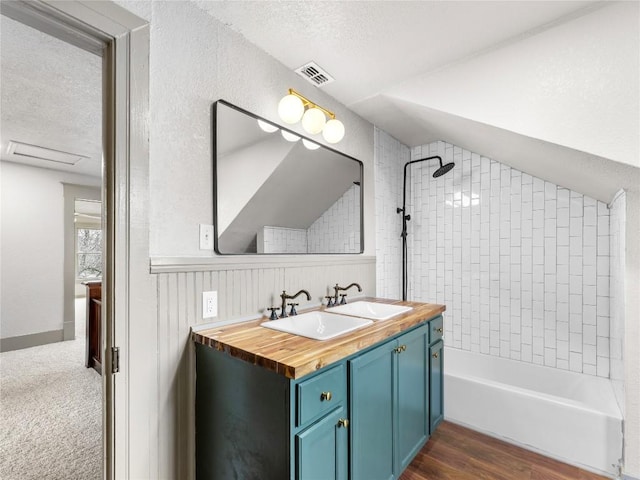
540 85
549 87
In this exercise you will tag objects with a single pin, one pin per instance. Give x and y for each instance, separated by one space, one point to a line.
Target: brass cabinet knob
403 348
397 349
435 355
343 422
439 330
325 396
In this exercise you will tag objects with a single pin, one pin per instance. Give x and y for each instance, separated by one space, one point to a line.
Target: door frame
122 40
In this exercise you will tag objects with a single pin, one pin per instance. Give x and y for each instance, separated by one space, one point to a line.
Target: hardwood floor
457 453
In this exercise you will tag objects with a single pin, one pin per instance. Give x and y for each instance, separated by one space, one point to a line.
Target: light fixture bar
308 102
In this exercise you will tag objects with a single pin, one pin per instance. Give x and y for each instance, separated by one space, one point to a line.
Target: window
88 253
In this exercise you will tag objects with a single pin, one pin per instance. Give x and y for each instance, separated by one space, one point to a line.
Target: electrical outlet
209 304
206 237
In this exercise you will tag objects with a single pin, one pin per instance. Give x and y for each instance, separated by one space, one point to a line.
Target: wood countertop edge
294 356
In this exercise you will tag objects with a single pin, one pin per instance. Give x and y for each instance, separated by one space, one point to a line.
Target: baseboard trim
31 340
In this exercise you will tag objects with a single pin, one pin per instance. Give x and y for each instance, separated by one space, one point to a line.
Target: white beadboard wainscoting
246 286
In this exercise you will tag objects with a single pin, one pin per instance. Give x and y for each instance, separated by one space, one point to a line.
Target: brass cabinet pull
439 330
325 396
435 355
343 422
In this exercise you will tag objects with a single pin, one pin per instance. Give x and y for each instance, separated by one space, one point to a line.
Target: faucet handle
329 301
274 315
343 300
293 308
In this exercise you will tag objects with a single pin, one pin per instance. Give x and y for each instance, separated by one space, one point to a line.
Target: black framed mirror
279 196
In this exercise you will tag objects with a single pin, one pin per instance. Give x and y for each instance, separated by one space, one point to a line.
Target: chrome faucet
284 296
337 288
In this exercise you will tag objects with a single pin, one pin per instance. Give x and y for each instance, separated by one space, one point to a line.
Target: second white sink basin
373 310
317 325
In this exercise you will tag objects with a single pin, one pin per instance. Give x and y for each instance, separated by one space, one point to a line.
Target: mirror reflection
279 193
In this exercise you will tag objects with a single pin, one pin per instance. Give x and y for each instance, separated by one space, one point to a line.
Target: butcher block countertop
294 356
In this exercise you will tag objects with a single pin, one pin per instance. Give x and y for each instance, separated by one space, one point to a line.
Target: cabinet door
436 369
413 396
321 449
372 419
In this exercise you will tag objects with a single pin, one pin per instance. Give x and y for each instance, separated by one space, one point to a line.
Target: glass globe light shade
290 137
267 127
333 131
290 109
313 120
310 145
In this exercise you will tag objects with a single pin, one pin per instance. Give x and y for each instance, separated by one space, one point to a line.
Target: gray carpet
50 412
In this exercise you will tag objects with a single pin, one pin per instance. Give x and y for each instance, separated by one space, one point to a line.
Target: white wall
575 84
390 157
617 285
195 60
32 248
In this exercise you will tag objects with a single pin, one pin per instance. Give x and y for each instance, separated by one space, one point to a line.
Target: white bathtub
568 416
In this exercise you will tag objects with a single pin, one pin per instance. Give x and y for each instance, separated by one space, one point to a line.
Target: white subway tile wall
615 291
522 264
284 240
389 158
338 229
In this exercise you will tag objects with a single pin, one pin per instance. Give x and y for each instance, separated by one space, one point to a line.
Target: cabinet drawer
320 394
435 330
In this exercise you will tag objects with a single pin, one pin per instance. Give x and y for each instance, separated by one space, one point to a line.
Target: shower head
443 169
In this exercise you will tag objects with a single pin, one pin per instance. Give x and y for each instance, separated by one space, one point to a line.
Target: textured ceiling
50 97
538 76
375 49
373 45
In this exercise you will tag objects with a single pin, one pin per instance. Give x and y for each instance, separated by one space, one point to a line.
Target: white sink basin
317 325
372 310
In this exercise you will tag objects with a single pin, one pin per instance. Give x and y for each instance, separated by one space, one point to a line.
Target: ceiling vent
314 74
41 153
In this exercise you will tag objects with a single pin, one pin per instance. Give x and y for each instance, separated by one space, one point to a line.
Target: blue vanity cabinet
389 406
436 374
364 417
413 395
372 406
321 438
322 449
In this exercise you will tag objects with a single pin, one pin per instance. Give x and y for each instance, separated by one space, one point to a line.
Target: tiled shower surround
522 264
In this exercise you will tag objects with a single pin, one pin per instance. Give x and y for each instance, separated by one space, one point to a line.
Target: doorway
121 40
51 153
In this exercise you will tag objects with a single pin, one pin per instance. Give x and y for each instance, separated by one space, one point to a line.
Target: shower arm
406 218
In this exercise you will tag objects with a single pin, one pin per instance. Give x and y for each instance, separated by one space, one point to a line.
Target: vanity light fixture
294 107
